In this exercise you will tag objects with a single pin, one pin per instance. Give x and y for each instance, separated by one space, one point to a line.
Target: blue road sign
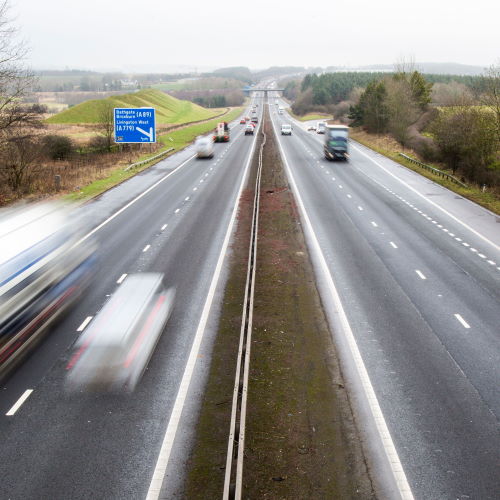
135 125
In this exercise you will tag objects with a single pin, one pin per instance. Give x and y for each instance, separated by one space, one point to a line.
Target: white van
286 129
204 147
280 110
320 129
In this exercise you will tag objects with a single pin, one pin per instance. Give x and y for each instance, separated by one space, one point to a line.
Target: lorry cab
336 142
221 132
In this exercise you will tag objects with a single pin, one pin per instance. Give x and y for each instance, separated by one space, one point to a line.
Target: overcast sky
161 35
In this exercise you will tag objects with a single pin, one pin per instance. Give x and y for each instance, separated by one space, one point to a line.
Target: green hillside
168 108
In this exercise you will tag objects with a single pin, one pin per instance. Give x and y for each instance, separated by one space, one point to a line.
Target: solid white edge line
137 198
168 441
377 415
462 321
19 402
121 278
86 321
456 219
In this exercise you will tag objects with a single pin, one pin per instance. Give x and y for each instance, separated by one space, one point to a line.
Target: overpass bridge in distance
249 90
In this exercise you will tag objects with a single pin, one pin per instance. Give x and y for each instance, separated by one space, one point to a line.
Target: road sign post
135 125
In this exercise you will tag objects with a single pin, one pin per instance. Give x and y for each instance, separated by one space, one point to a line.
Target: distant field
169 110
168 86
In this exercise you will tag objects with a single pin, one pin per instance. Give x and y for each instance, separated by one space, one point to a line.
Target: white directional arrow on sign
148 134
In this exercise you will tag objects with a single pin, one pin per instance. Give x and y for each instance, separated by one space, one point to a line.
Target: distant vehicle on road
44 266
280 110
221 132
204 147
242 121
311 128
336 142
249 129
320 128
286 129
255 119
114 350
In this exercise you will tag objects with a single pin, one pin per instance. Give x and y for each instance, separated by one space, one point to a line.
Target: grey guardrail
434 170
143 162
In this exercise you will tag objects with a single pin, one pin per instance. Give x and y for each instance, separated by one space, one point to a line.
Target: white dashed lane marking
393 245
146 248
19 402
86 321
420 274
462 321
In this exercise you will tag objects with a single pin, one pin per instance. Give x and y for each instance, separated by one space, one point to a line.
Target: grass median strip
301 439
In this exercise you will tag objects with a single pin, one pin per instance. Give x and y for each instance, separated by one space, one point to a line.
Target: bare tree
405 65
20 155
105 125
491 96
403 111
15 79
451 94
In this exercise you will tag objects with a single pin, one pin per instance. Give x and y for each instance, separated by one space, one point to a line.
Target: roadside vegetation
74 151
310 116
449 122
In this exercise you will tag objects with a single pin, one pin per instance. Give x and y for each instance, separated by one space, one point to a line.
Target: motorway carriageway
176 218
409 276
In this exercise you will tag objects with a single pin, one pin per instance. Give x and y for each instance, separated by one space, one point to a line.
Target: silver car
114 350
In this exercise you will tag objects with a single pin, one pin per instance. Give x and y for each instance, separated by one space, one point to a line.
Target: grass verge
387 146
301 440
310 116
177 139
